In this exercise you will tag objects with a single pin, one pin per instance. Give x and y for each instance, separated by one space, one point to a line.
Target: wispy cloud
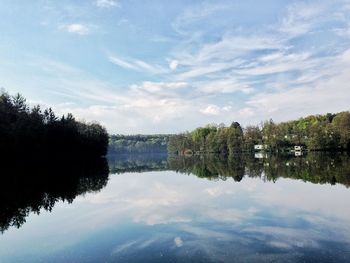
301 17
194 14
136 64
107 3
324 92
206 62
122 63
226 85
161 89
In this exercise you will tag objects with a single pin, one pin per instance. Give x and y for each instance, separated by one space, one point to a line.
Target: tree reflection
318 168
137 163
31 185
28 185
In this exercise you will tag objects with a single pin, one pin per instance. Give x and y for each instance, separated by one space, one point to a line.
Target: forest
138 144
39 132
330 132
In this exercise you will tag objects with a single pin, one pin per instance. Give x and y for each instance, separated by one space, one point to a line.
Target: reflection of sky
164 216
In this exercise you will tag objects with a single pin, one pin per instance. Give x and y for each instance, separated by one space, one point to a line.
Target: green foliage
252 136
315 132
341 125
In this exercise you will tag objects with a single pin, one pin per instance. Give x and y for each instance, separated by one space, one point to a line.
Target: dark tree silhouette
36 132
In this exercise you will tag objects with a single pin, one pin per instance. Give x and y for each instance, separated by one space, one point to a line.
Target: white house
260 147
298 153
260 155
298 148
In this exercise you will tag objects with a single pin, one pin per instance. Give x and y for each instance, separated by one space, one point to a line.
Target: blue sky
171 66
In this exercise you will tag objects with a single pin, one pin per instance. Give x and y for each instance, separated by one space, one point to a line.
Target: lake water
171 209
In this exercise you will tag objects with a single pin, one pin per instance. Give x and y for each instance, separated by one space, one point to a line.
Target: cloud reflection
167 216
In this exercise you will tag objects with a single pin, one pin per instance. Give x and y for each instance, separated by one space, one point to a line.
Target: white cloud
107 3
173 64
76 28
211 110
138 108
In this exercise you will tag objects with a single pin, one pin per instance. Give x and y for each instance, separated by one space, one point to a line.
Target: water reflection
137 163
238 209
314 167
29 186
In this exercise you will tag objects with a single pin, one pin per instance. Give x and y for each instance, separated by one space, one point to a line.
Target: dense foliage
315 132
25 130
126 144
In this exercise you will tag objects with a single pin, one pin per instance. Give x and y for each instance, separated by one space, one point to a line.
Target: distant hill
138 144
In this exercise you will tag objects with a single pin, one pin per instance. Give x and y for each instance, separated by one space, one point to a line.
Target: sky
171 66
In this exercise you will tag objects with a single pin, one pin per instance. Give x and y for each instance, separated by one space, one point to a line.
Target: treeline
315 132
34 131
138 144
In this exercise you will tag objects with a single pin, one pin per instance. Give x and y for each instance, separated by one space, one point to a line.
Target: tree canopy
315 132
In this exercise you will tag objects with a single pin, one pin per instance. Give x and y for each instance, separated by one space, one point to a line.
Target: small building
260 147
260 155
298 153
298 148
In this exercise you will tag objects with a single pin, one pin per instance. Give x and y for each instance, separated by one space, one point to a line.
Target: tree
234 138
252 136
341 124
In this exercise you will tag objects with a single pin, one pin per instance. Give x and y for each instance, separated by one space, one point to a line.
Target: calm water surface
203 209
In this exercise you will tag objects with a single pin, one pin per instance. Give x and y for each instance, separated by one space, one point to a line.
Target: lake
255 208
